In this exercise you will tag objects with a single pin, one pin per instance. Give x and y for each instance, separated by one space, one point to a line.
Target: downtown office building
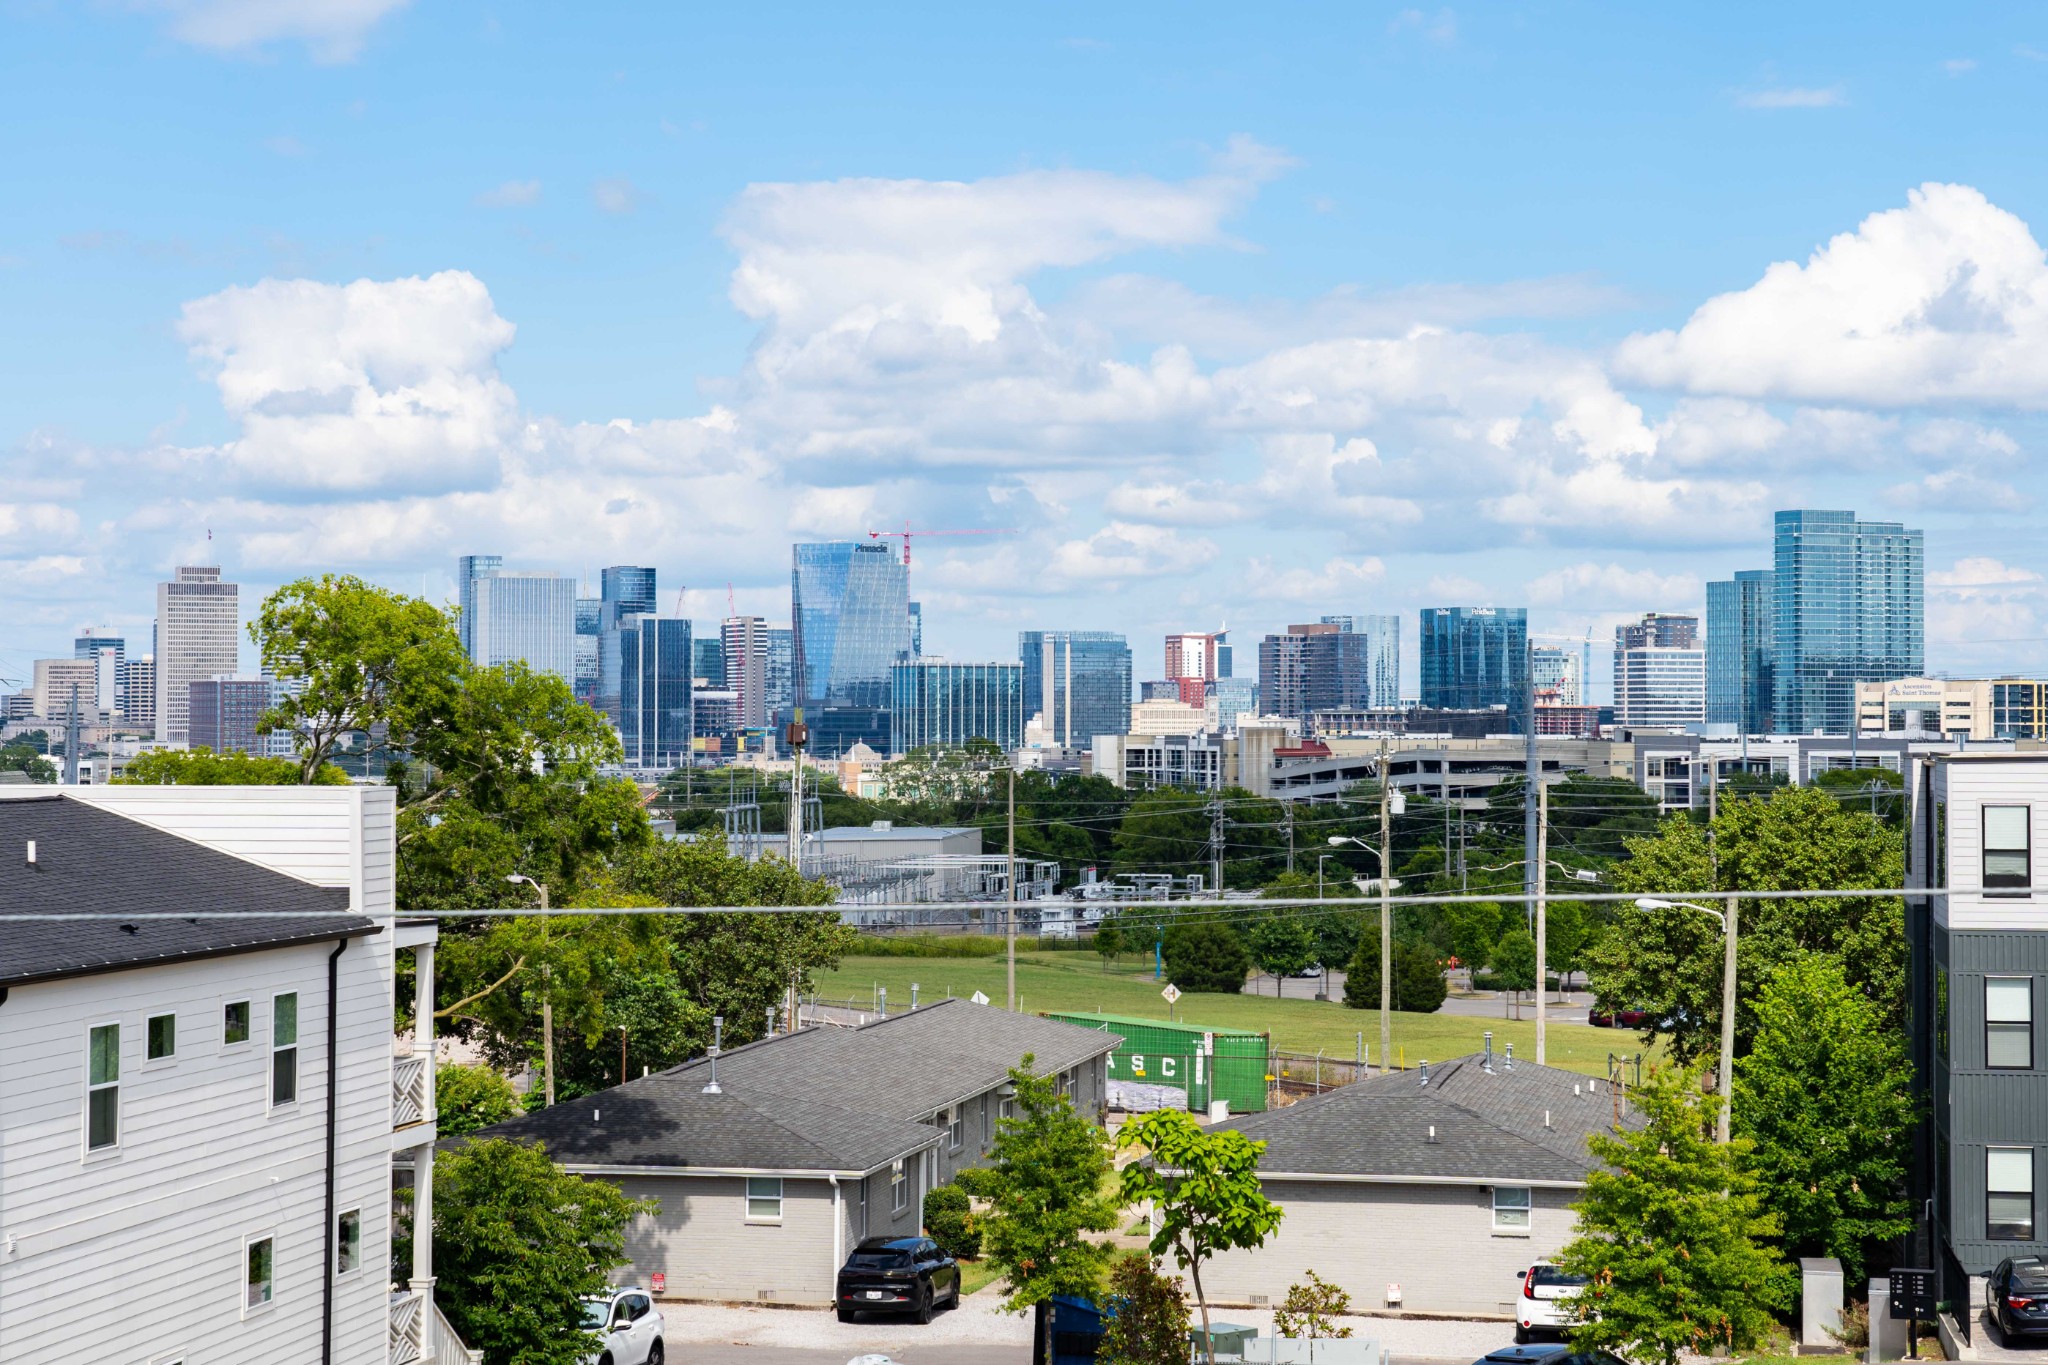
1474 658
198 638
850 609
1660 673
1850 605
1741 651
935 703
1078 682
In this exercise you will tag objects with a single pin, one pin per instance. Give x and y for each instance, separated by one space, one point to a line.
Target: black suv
895 1275
2019 1297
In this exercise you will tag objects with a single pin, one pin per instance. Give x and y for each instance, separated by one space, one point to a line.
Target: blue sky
1232 314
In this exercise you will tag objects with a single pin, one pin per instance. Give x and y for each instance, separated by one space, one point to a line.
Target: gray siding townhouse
1978 948
1432 1189
811 1141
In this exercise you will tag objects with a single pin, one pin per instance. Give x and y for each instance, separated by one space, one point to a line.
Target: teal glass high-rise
1850 603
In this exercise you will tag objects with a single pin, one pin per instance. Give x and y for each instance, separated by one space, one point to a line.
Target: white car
1544 1305
631 1328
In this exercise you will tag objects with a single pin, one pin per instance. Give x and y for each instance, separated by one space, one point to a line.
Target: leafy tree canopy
202 767
1051 1166
1282 944
1203 955
1419 986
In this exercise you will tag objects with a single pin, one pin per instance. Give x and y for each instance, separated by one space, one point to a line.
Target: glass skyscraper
851 605
656 659
1740 651
1079 681
587 635
624 590
1850 607
934 702
1475 657
527 618
1382 655
468 569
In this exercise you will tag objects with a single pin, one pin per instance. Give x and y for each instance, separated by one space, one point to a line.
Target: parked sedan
897 1275
2019 1296
630 1326
1545 1301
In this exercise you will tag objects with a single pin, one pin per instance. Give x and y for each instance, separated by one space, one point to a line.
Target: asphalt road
1489 1007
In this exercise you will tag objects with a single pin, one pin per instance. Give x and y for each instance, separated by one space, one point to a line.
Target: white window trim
242 1274
339 1273
297 1050
1527 1209
956 1129
748 1197
85 1147
149 1062
222 1016
899 1188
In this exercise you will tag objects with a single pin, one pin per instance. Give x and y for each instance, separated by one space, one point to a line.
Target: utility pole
1532 769
1288 818
1010 919
1727 1076
1386 926
1216 843
1542 912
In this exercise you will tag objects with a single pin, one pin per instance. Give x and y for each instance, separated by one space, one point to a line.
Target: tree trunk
1208 1340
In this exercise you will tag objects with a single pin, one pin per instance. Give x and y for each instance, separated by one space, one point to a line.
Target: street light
1577 874
547 993
1727 918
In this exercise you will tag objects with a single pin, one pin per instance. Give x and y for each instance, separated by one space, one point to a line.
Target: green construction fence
1207 1063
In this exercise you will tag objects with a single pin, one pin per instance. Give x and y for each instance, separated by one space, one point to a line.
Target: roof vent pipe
771 1023
913 995
1487 1065
717 1041
1432 1132
881 1002
31 853
1425 1070
1511 1057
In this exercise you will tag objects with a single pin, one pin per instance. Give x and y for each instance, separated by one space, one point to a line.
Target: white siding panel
203 1162
1967 787
1435 1241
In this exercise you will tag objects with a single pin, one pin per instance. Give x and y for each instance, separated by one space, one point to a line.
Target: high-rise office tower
745 642
109 654
222 714
624 590
851 605
1475 657
1850 607
707 658
1383 654
138 691
468 569
55 682
1078 682
934 702
1194 658
1741 649
527 618
1554 671
588 631
916 629
778 683
656 691
1323 666
198 636
1660 672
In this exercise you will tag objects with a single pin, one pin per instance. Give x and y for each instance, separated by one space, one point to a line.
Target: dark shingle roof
820 1099
94 861
1489 1125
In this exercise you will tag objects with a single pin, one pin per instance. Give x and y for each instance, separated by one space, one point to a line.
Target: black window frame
2011 1027
2005 883
2009 1230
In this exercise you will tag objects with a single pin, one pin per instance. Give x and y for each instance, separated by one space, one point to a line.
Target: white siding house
199 1099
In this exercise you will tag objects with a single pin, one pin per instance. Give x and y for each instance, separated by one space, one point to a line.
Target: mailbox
1912 1294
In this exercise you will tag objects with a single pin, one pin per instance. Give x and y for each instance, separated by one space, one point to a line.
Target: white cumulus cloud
332 30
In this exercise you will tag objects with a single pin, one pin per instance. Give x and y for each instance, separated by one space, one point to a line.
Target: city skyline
1204 349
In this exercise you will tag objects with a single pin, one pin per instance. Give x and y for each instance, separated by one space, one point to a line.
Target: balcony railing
409 1327
412 1097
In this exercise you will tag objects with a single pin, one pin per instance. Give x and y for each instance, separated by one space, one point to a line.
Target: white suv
630 1325
1544 1304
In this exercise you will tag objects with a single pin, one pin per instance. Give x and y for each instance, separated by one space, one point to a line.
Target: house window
258 1272
899 1187
2009 1194
103 1087
348 1241
234 1023
2009 1022
764 1199
956 1128
2007 864
1510 1208
163 1036
284 1049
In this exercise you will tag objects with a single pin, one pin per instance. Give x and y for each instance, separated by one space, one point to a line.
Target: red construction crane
907 533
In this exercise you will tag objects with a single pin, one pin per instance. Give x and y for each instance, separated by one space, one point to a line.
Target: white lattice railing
408 1323
410 1101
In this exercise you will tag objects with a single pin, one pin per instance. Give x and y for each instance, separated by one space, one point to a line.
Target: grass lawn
1075 981
976 1275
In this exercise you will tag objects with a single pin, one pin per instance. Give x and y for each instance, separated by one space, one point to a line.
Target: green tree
202 767
1051 1166
20 756
1311 1310
367 662
1204 1186
1202 955
1147 1321
1879 792
1668 962
1282 944
472 1097
950 1221
1673 1237
518 1243
1475 927
1109 940
1825 1096
1419 986
1569 927
1512 963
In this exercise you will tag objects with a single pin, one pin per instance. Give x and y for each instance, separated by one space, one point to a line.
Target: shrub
1309 1310
1418 981
472 1097
949 1220
1206 957
976 1181
1147 1322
